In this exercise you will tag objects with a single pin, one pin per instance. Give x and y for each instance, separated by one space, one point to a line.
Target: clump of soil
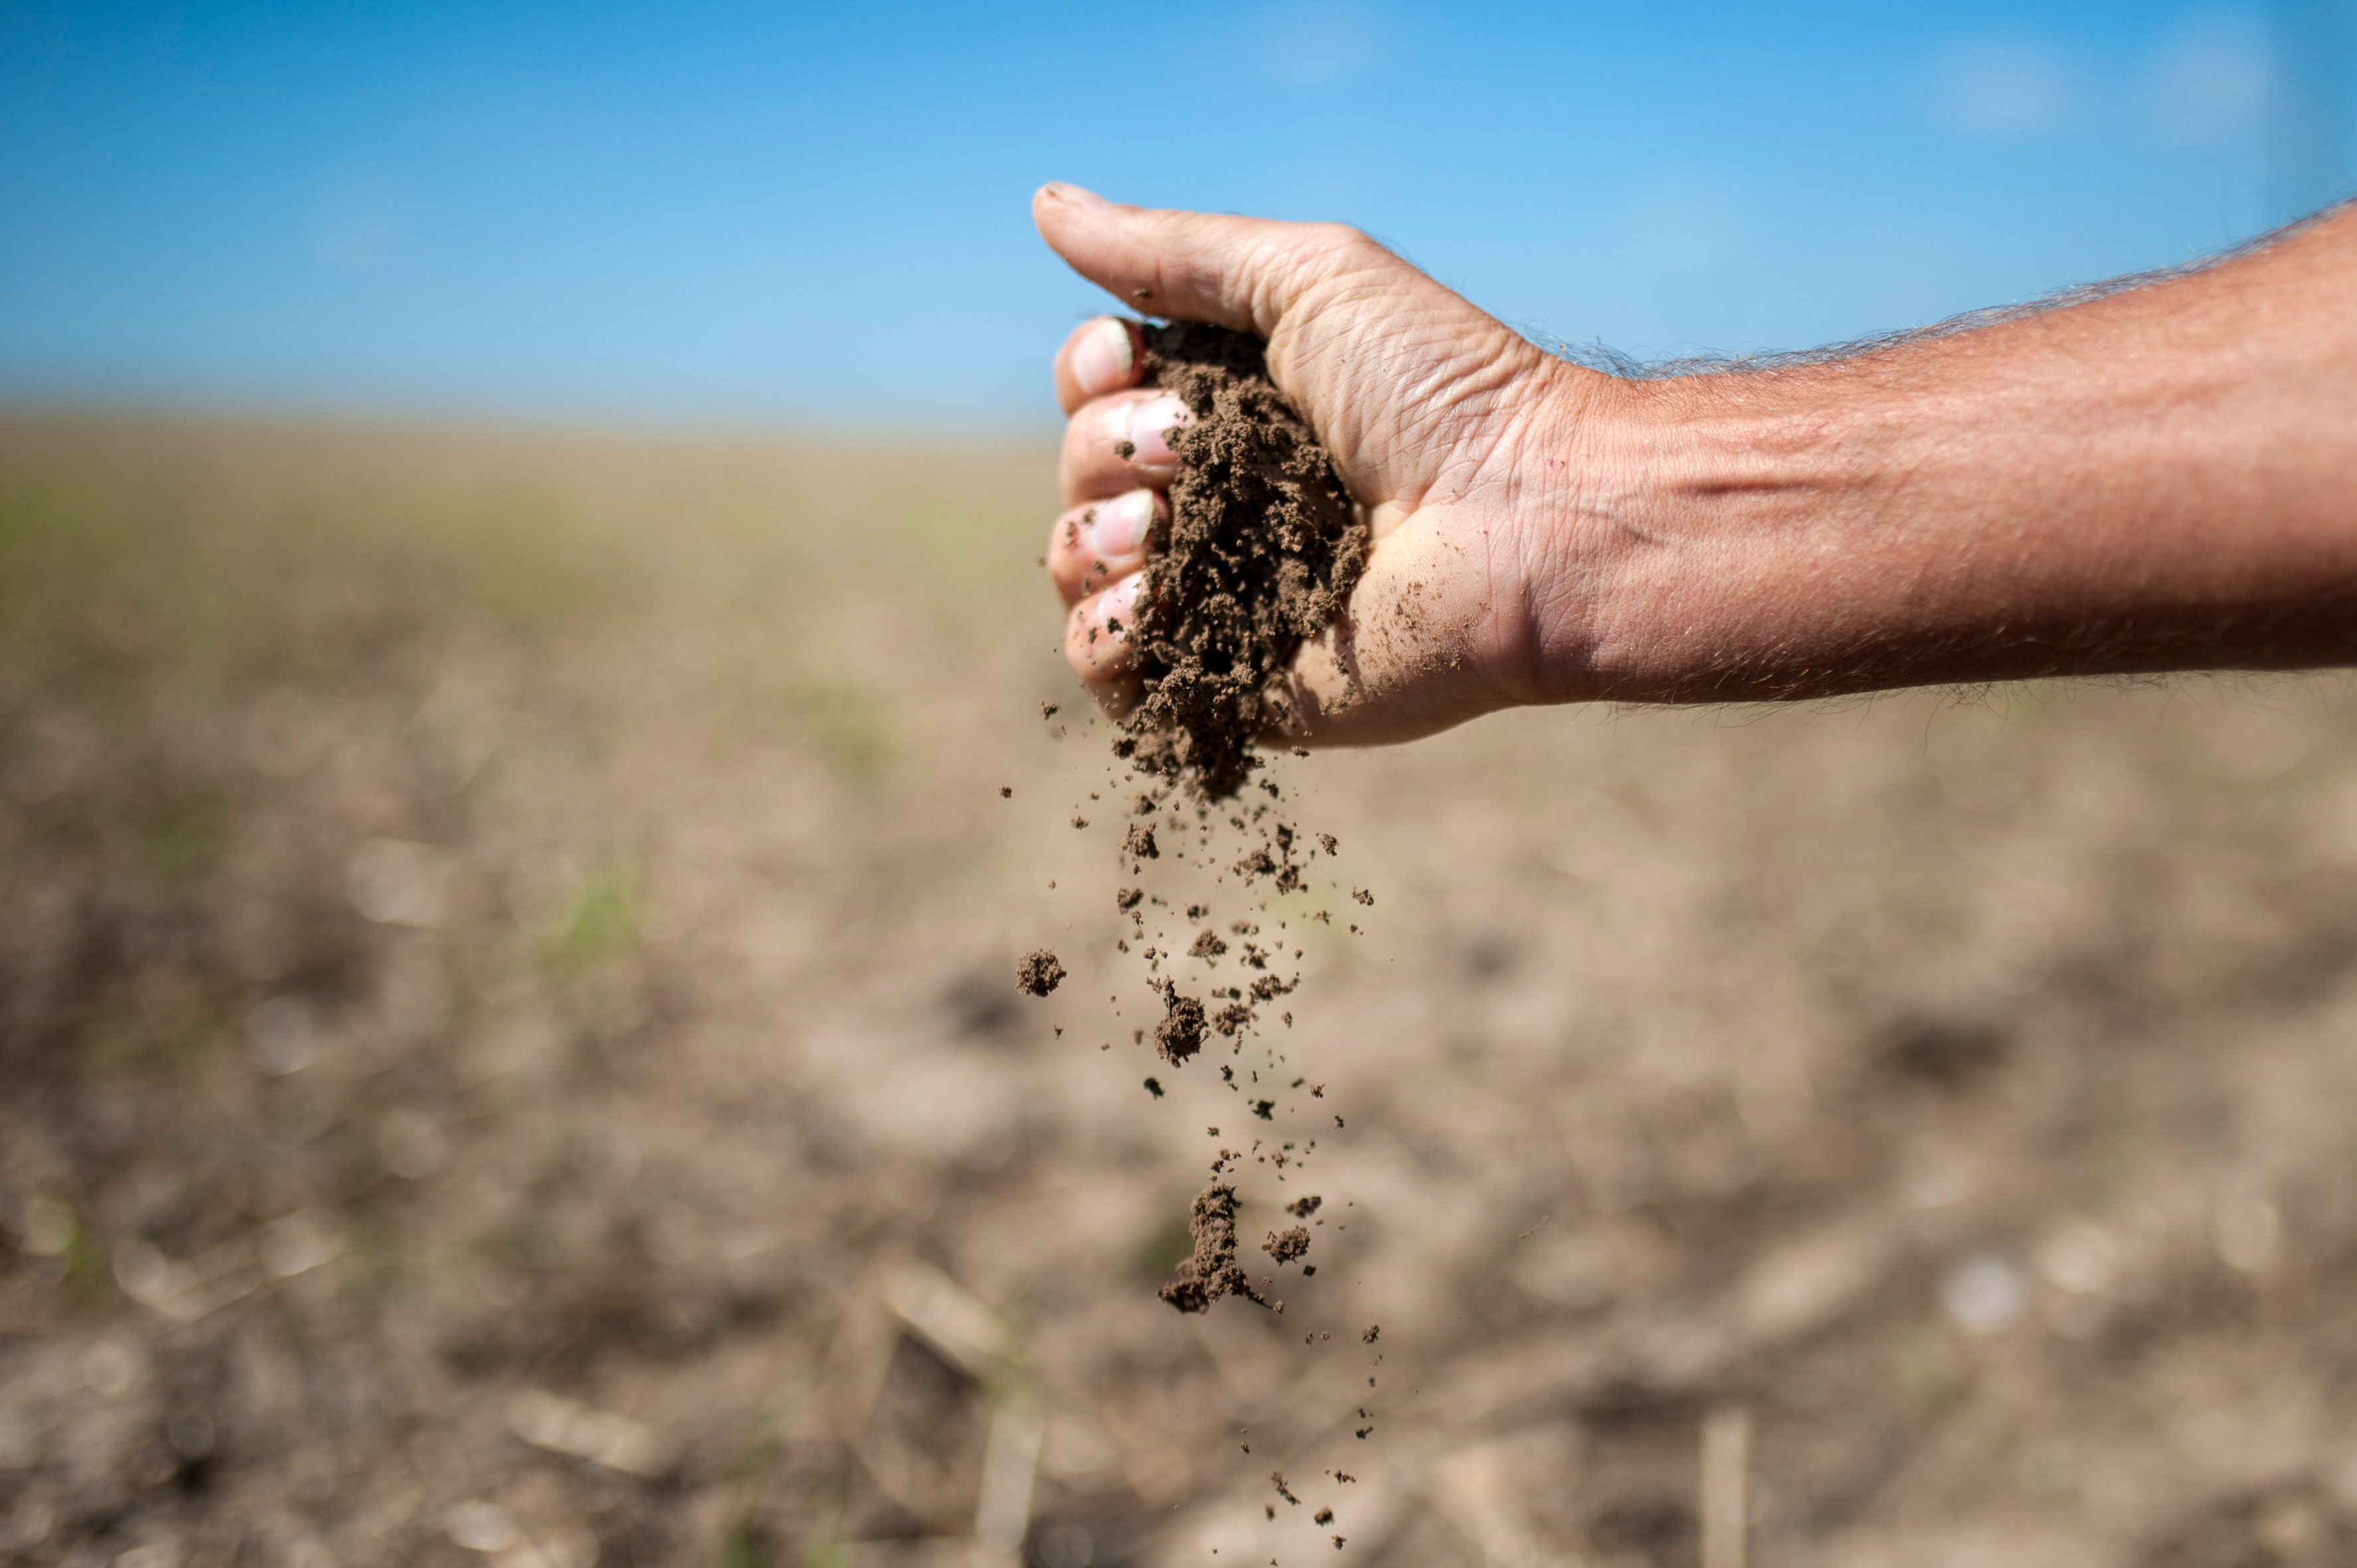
1213 1271
1286 1245
1038 972
1262 550
1179 1035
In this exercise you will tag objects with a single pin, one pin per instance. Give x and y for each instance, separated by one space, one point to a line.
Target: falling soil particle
1154 1088
1140 844
1363 896
1286 1245
1277 1479
1049 710
1037 973
1262 1109
1206 946
1327 841
1261 550
1303 1207
1323 1516
1179 1035
1373 1331
1212 1273
1128 898
1006 791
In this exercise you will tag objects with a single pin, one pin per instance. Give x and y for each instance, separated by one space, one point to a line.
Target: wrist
1671 514
1730 523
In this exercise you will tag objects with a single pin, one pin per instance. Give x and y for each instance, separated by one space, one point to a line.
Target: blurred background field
507 1053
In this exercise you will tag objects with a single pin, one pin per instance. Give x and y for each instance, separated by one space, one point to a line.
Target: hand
1456 435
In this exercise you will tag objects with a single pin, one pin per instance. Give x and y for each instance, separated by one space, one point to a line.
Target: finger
1116 699
1119 443
1093 545
1100 356
1096 634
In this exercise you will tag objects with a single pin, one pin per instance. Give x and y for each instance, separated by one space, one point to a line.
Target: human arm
2160 479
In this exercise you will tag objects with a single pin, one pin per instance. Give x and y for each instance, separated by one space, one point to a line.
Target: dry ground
507 1053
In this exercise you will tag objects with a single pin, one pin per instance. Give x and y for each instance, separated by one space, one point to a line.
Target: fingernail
1102 360
1149 424
1121 524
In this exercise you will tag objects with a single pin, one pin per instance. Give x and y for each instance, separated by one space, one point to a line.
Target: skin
2160 479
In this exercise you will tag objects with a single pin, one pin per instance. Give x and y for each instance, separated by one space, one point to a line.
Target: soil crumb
1286 1246
1303 1207
1262 550
1213 1271
1179 1035
1038 972
1140 844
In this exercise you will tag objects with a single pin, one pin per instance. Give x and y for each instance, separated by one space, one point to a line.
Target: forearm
2164 478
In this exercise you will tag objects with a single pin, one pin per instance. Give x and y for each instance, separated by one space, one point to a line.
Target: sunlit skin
2162 479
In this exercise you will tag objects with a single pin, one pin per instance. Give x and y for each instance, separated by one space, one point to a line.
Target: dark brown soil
1213 1271
1179 1035
1262 550
1286 1245
1038 972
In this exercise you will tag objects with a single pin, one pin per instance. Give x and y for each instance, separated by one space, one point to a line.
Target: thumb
1247 273
1332 305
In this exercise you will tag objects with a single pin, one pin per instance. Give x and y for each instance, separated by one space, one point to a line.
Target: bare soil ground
508 1054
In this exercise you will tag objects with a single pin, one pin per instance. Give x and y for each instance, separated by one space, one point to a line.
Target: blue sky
783 213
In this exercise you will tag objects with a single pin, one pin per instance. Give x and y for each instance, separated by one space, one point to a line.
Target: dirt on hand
1261 551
